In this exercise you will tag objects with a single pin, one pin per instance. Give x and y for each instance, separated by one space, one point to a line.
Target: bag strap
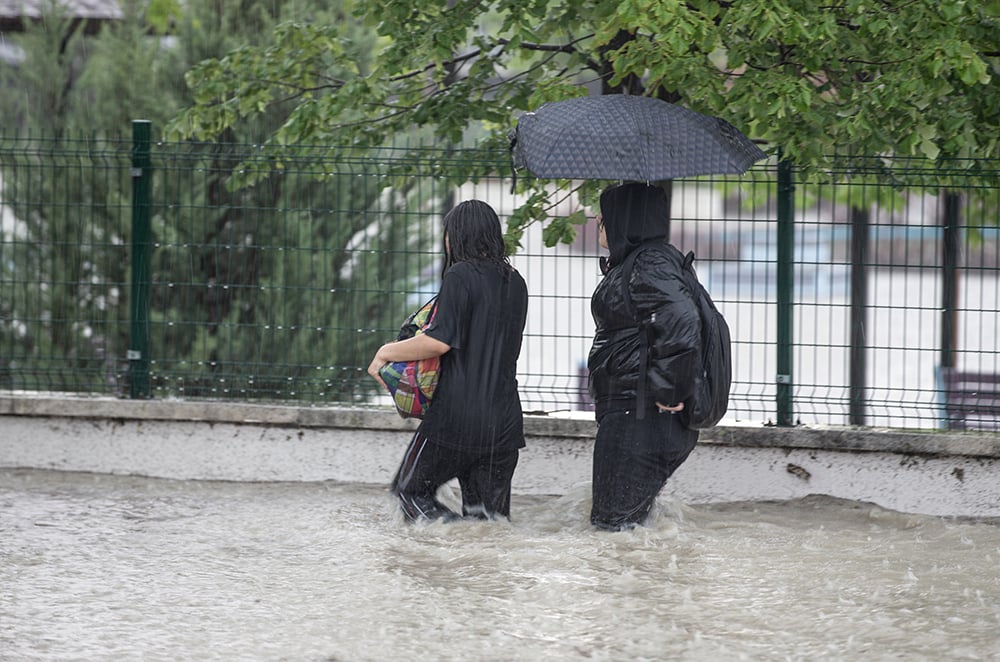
434 309
627 266
626 276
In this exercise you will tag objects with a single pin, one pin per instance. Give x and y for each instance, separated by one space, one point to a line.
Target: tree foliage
66 268
908 78
257 279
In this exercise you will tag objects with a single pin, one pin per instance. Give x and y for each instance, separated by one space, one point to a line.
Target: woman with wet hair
645 359
473 429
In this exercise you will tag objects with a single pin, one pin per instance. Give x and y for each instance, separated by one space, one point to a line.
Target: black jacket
666 315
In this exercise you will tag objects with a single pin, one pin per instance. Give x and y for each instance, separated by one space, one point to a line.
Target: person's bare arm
418 347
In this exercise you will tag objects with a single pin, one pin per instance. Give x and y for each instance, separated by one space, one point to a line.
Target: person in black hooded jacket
645 358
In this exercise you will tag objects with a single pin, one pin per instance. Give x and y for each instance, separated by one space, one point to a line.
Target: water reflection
98 567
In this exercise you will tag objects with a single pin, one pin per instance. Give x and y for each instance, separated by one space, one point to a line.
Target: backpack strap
641 327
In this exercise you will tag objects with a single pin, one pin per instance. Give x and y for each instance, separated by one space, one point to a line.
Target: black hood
633 213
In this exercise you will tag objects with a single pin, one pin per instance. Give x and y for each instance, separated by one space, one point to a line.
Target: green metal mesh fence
282 290
64 254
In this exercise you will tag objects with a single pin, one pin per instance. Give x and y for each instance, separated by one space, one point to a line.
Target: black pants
632 461
484 478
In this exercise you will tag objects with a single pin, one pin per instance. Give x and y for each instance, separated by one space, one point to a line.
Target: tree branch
557 48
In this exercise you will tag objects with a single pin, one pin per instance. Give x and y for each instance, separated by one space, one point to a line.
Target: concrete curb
913 471
931 442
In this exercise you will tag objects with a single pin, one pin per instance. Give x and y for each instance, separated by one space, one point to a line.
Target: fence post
785 292
858 362
951 255
138 352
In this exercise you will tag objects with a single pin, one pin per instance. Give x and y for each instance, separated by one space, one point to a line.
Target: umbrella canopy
627 137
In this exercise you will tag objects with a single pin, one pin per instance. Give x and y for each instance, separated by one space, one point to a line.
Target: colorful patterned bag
412 383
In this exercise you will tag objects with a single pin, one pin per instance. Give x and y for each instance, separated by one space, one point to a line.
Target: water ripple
97 567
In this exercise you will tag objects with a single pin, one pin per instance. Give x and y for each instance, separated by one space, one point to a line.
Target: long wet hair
473 232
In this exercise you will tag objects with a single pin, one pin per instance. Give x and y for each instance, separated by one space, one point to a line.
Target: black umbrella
627 137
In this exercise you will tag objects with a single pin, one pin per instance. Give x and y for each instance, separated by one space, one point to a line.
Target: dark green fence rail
134 268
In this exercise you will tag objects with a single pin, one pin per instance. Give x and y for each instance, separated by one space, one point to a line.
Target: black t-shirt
480 315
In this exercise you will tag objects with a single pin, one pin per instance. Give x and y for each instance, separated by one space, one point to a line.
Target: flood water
96 567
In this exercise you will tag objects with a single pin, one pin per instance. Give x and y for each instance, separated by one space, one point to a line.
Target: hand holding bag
411 383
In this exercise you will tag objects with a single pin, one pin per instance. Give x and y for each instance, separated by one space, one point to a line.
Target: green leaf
809 77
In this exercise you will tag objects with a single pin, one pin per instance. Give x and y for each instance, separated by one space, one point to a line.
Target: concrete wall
953 474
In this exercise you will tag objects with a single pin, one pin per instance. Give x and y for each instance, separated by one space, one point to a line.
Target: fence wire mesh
282 289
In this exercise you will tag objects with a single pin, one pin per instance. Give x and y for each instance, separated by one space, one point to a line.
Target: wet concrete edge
927 472
838 438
